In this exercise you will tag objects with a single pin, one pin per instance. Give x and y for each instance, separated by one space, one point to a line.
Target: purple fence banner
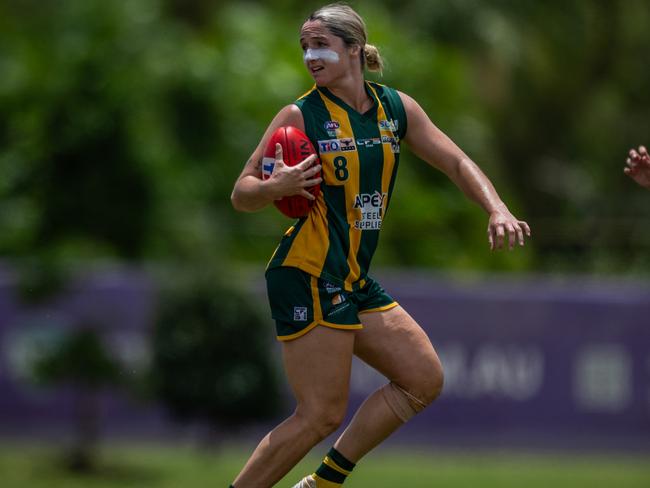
528 361
531 361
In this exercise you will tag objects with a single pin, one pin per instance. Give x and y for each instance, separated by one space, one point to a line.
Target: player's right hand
287 181
503 227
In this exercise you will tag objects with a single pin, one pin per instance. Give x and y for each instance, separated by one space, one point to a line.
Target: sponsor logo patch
375 141
300 314
331 288
328 146
393 141
390 125
336 145
371 207
348 145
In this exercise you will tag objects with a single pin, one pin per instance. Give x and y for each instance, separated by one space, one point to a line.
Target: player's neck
352 90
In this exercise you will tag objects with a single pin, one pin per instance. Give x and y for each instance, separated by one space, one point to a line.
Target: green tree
80 361
211 356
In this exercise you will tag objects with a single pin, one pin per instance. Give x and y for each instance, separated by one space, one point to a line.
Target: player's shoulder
381 89
289 115
395 101
292 111
393 95
387 93
307 98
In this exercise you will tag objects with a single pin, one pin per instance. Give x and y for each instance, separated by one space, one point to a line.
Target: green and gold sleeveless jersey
360 155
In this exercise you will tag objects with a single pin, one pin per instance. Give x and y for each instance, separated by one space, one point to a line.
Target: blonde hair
344 22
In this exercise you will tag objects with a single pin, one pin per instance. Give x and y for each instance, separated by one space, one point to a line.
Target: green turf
184 467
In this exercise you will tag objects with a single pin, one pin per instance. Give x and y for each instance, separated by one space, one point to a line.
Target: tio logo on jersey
336 145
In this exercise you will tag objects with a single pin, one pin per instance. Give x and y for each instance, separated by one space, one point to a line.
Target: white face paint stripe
324 54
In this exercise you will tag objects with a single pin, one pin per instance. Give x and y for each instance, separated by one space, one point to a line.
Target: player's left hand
503 223
638 166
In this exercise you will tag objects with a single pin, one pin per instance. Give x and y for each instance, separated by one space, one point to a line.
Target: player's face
325 55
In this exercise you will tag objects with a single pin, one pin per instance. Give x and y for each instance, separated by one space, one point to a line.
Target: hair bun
374 62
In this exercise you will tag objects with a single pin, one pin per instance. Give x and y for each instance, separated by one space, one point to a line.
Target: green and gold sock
333 471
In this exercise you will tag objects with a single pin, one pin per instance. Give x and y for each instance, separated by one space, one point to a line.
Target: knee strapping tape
401 402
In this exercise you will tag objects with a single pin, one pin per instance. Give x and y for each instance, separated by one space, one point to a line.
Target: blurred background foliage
124 125
211 358
80 360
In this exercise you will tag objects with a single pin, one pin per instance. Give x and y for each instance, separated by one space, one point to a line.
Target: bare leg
373 422
395 345
318 369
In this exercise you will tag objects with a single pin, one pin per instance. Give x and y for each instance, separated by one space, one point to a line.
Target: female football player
638 166
325 305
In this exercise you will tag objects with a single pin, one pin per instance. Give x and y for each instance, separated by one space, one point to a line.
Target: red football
296 146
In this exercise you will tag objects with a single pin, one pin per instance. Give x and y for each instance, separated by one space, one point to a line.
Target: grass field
184 467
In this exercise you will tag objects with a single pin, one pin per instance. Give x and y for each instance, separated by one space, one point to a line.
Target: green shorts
300 302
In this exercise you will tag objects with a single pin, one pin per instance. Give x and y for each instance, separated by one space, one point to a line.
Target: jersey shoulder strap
391 100
313 109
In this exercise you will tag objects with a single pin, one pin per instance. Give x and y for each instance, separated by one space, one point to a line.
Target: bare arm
252 193
431 145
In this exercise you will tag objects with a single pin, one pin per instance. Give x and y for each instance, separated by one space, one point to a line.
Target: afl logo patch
332 125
